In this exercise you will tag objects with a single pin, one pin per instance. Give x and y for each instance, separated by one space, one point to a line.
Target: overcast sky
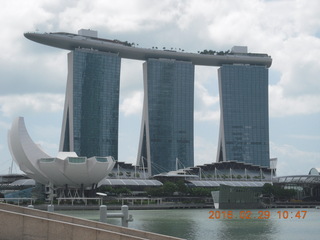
33 76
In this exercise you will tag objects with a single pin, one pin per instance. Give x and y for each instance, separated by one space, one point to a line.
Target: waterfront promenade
293 205
26 223
131 207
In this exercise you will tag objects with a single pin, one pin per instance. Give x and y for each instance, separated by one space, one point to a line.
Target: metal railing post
51 208
103 213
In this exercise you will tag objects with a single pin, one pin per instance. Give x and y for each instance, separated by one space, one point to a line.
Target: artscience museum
66 169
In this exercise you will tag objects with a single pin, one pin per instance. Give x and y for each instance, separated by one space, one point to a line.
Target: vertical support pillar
103 213
125 217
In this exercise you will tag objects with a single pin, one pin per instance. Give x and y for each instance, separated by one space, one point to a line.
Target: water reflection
246 229
170 222
194 224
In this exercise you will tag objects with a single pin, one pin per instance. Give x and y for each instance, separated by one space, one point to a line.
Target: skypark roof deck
70 41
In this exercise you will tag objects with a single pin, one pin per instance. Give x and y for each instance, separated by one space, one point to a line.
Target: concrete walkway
20 223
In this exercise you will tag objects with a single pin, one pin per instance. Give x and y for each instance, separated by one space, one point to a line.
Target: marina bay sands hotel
91 111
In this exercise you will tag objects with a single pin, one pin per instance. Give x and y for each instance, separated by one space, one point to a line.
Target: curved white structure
314 171
66 169
24 151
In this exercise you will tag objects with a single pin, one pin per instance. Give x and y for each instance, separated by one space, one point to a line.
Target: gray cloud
29 69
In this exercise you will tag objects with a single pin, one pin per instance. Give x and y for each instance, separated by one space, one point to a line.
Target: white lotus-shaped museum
65 169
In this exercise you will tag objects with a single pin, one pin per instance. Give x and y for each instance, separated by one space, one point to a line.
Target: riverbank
293 205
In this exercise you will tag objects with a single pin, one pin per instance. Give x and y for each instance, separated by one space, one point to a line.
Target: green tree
169 188
267 189
137 175
278 192
181 187
105 189
123 190
201 192
154 191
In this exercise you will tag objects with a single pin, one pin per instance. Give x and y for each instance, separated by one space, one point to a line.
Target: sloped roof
200 183
129 182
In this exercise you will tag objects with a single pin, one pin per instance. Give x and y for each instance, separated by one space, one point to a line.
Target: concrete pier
26 223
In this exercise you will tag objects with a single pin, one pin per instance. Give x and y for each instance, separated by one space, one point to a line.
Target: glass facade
232 197
167 123
90 126
100 159
244 121
77 159
46 159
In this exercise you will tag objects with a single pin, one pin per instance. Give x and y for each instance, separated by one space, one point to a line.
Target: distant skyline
33 77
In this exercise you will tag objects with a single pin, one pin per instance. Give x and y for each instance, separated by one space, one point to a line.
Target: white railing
6 200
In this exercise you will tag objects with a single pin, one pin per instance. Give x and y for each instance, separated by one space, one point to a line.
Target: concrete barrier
124 215
59 218
15 226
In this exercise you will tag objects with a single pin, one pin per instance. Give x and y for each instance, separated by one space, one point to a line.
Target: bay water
203 224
